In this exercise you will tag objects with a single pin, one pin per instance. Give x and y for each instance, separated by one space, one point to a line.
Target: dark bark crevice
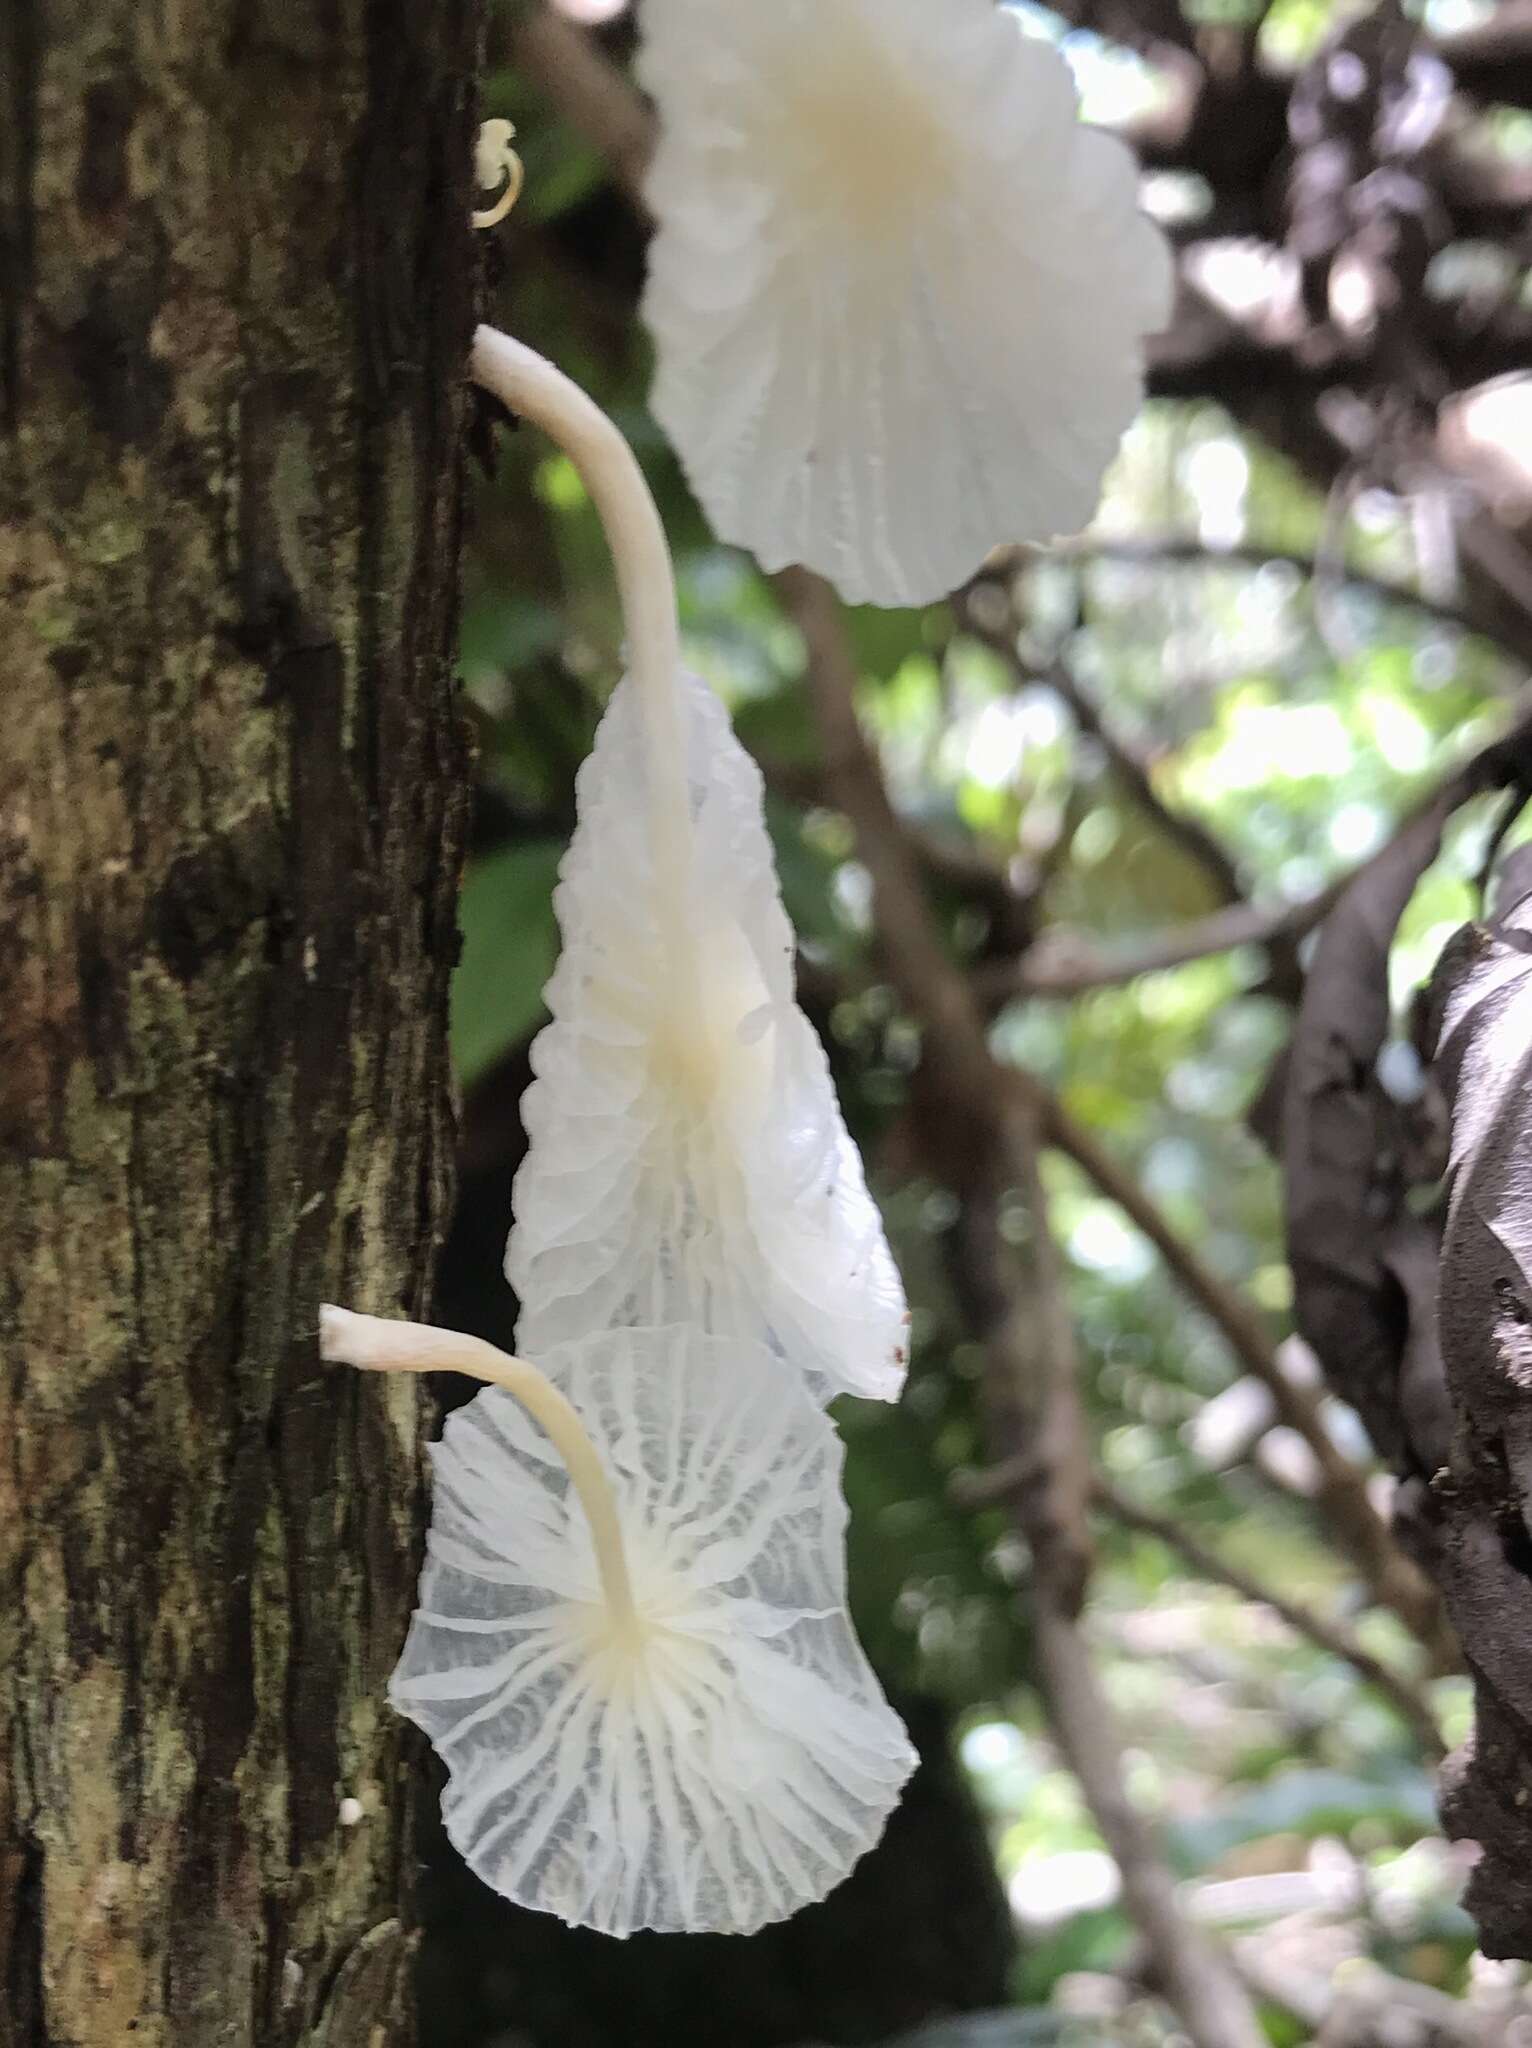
19 47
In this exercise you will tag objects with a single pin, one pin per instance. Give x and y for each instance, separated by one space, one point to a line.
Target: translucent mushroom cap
687 1160
727 1761
898 291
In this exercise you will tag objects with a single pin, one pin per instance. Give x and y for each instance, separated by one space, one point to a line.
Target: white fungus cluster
632 1649
898 294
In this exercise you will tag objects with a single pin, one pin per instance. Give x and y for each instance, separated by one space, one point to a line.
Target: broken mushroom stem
387 1344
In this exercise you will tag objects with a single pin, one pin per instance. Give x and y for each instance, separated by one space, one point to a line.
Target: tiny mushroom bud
494 160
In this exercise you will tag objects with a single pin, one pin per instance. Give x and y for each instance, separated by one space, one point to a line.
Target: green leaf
510 942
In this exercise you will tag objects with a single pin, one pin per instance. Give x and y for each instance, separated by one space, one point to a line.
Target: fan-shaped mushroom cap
898 291
687 1158
728 1759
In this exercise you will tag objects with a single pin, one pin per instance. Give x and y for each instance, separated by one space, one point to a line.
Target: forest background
1109 794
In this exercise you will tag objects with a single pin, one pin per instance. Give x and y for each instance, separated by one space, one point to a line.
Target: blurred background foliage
1241 630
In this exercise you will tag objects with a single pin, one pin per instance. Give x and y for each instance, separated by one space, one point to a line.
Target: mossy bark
235 303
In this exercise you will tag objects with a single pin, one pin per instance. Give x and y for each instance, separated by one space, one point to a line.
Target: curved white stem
491 216
495 160
533 389
383 1344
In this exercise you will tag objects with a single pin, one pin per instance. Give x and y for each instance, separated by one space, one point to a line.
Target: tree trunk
235 299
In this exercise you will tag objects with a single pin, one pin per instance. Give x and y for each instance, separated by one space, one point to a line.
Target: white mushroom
632 1648
687 1160
898 291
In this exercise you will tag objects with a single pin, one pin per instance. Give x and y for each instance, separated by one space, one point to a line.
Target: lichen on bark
237 301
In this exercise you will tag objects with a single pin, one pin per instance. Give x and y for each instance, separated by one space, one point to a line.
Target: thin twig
1059 967
1057 970
597 99
1131 763
1342 1498
977 1488
1062 964
1407 1701
1185 550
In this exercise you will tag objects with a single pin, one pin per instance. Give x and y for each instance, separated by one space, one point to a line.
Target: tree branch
978 1488
1407 1700
1032 1367
1185 550
1062 965
1132 764
932 985
1343 1499
1016 1301
1195 1977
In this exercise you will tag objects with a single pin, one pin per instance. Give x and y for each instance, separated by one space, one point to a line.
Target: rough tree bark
236 290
